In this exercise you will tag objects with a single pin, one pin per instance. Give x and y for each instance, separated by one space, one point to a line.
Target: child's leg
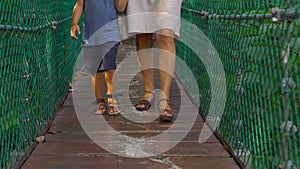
110 79
109 66
98 91
97 85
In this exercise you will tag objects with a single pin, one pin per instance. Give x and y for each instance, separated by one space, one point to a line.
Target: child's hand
75 28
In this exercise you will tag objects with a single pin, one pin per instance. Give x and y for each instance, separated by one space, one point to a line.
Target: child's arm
121 5
77 11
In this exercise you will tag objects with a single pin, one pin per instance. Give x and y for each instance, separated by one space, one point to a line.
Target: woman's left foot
166 114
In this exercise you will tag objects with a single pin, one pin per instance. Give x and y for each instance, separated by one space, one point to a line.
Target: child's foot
113 105
102 110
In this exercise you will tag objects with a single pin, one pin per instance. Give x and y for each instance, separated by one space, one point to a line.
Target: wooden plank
69 149
197 149
81 136
205 163
128 126
56 162
115 162
89 147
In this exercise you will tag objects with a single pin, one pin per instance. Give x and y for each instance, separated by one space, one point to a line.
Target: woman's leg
166 64
145 57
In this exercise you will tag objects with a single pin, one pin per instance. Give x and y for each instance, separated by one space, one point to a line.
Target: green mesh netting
36 65
261 58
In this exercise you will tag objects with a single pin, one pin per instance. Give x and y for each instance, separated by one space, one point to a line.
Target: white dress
149 16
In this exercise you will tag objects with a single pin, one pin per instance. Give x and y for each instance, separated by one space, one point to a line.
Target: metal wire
277 13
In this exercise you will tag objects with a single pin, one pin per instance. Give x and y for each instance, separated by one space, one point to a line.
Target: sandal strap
113 104
101 100
150 92
113 95
149 101
164 99
169 112
102 107
102 110
146 103
153 96
114 100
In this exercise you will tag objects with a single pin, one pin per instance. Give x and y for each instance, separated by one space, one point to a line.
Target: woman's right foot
145 103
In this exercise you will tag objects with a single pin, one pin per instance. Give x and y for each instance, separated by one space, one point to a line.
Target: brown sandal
101 105
146 103
113 105
166 114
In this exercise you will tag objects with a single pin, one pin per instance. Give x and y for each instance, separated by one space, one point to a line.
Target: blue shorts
109 59
99 58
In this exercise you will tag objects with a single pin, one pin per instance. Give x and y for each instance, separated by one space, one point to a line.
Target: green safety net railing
37 57
258 42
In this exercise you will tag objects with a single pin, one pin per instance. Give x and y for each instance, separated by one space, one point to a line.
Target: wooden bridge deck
67 144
